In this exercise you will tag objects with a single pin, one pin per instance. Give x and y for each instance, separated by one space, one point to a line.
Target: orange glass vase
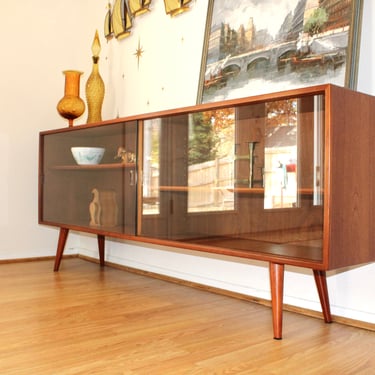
71 105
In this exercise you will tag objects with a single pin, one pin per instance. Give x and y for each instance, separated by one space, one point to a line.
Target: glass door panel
100 195
246 177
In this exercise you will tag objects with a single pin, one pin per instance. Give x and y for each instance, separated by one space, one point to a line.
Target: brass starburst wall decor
139 52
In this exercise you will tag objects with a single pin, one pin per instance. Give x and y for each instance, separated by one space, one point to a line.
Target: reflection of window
211 161
249 149
318 150
280 173
151 145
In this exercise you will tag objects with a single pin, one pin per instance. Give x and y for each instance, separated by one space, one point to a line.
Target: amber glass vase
95 86
94 94
71 105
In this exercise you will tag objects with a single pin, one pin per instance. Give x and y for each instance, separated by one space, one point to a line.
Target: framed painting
263 46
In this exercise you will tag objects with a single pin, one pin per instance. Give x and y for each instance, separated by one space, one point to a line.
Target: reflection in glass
151 146
245 177
211 161
318 150
280 154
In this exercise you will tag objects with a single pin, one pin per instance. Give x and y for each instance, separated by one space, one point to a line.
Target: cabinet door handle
132 179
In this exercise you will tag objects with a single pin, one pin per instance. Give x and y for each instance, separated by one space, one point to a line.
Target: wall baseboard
34 259
299 310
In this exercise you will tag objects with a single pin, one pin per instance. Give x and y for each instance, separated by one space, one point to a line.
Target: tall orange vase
71 106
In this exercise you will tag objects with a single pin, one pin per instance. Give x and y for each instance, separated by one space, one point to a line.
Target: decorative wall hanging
108 29
138 7
118 21
95 85
71 105
175 7
266 46
121 19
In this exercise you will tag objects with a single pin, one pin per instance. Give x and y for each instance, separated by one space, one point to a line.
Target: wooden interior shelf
72 167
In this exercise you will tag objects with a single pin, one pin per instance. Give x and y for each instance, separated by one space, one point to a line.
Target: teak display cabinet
284 178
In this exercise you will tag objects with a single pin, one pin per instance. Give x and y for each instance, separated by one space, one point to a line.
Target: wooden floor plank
88 320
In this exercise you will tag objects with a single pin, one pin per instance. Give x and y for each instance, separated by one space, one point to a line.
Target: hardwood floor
87 320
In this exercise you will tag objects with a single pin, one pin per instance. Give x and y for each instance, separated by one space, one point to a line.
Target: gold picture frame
258 47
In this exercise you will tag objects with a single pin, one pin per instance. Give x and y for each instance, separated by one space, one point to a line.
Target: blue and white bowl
87 155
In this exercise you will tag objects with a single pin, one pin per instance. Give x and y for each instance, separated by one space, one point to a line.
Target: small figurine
125 156
121 154
95 209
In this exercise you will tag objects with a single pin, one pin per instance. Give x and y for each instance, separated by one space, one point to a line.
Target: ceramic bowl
87 155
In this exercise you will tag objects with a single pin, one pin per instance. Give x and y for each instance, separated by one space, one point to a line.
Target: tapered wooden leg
321 284
101 241
60 247
277 291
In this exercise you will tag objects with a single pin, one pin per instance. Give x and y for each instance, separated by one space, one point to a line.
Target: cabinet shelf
240 190
217 188
93 167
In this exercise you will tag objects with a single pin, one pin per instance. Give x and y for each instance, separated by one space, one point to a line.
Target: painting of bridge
265 46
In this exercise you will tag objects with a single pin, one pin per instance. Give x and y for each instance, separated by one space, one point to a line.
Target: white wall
59 37
39 39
